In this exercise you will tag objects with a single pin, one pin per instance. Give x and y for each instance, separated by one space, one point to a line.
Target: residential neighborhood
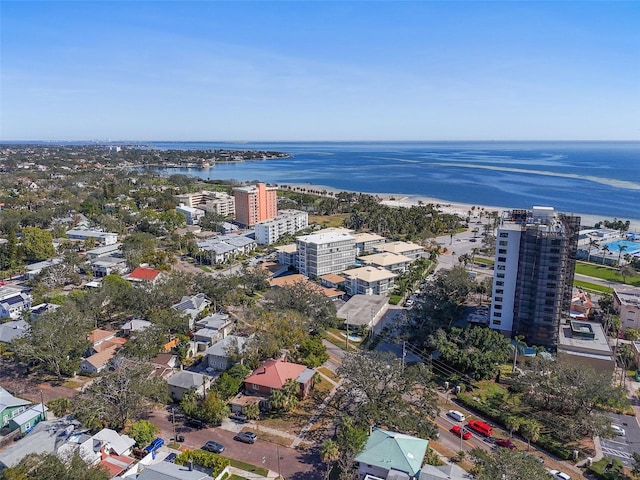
144 317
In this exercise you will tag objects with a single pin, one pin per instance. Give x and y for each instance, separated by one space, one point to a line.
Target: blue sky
321 70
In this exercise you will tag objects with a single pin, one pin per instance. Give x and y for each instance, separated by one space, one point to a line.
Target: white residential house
35 269
108 265
13 301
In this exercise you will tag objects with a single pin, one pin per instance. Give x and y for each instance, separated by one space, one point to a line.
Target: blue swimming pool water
632 247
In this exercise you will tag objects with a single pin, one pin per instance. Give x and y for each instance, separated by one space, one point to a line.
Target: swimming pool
632 247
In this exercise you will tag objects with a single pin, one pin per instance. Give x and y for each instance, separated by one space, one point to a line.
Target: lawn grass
614 473
592 287
487 261
605 273
325 371
248 467
236 477
328 221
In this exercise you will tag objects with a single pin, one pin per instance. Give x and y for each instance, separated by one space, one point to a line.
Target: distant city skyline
319 71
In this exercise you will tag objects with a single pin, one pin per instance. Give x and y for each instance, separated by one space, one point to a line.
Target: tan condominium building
369 281
255 203
220 203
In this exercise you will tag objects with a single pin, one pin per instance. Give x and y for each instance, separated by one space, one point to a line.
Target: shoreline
408 200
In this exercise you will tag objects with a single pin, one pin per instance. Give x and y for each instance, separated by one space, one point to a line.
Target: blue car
155 445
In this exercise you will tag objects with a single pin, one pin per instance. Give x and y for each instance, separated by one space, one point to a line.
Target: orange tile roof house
273 374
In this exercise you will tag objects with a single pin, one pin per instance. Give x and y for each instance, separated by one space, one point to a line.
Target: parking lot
621 447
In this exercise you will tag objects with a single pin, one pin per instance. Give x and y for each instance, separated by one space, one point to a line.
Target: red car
466 434
506 443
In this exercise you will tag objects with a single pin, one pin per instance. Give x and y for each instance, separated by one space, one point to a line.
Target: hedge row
205 459
546 442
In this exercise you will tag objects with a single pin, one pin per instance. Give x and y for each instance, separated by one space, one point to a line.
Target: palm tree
329 453
621 248
513 424
605 249
626 271
530 429
252 411
592 243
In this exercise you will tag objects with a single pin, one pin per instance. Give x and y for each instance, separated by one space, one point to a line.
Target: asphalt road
292 463
621 447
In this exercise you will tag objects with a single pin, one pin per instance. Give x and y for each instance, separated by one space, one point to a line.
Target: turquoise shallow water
632 247
601 178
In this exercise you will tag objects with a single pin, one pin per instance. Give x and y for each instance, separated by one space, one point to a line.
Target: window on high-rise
503 243
504 235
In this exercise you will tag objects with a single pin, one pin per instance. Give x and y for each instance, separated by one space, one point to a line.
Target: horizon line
307 141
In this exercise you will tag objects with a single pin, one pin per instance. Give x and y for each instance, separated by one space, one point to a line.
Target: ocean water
597 178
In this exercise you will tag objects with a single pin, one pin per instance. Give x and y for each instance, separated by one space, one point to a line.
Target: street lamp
461 433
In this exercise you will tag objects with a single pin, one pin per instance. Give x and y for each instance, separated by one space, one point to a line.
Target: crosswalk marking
617 453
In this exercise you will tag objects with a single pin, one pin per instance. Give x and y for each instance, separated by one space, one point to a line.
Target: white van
456 415
559 475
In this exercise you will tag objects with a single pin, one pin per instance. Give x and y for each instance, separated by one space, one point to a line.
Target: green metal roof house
29 418
10 406
390 454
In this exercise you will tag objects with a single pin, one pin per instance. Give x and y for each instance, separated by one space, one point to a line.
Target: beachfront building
408 249
321 253
220 203
255 203
287 222
368 281
626 303
192 214
534 269
366 242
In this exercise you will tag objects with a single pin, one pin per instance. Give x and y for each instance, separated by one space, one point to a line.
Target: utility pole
173 421
278 453
404 353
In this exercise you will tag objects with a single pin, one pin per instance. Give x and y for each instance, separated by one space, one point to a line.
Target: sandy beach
462 209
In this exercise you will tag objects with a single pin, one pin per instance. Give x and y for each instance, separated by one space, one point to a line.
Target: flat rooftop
369 274
585 337
361 308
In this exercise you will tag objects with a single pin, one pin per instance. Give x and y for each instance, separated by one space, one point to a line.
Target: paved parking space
621 447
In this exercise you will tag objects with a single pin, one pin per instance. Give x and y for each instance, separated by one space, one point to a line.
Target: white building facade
322 253
287 222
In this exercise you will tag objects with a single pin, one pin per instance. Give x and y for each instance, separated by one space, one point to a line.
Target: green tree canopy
477 351
48 466
143 432
505 464
37 244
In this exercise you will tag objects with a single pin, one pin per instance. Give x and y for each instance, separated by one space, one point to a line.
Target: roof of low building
361 308
275 373
399 247
185 379
12 329
170 471
384 259
30 414
144 274
219 349
118 443
333 278
369 274
393 451
7 400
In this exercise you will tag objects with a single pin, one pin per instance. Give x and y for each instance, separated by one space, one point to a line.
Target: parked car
246 437
618 430
194 423
466 434
559 475
171 457
506 443
214 447
239 417
456 415
155 445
